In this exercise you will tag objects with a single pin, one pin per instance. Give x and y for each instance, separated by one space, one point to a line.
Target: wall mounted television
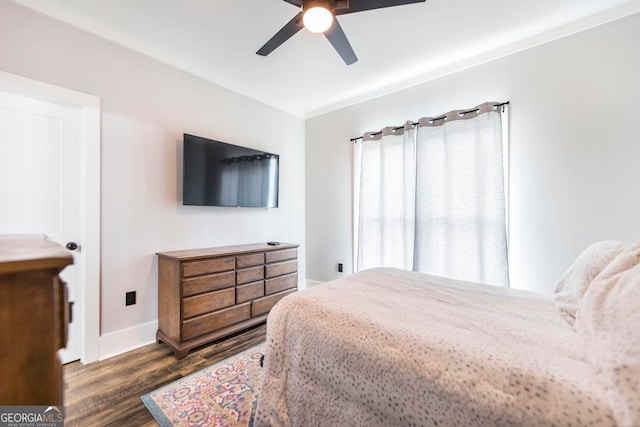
219 174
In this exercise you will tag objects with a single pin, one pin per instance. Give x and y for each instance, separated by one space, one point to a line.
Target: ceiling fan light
317 19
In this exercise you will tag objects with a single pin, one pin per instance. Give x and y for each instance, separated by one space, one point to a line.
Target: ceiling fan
318 16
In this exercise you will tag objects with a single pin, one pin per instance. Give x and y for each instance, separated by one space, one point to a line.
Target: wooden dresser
206 294
33 320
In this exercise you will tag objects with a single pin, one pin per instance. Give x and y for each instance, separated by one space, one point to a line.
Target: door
41 185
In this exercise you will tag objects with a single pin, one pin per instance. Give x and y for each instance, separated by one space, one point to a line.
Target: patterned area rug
224 394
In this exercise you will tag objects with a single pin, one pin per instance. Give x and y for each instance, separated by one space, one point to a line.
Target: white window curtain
452 193
387 199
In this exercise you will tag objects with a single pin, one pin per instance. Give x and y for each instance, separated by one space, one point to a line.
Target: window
432 198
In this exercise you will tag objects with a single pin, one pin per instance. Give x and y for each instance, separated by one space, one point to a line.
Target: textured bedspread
389 347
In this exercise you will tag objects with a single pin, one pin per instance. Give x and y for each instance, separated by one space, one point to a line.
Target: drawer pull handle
71 311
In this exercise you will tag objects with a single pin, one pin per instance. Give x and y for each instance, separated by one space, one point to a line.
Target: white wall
575 150
146 107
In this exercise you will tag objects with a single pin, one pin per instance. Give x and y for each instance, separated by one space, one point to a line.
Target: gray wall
575 150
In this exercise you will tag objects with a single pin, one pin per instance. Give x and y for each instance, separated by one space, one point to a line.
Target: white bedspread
390 347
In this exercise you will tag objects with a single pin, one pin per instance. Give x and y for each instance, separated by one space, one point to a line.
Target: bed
389 347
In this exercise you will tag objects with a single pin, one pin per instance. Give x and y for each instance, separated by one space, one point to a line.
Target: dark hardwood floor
107 393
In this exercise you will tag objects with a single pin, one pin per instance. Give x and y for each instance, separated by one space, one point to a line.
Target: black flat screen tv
219 174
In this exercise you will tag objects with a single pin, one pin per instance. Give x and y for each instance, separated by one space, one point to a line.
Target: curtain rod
434 119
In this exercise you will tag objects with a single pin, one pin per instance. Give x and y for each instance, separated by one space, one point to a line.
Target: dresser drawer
208 283
205 303
275 256
263 305
281 268
249 260
250 291
271 286
217 320
249 275
214 265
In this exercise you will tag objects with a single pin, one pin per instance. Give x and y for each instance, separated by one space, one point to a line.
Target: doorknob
72 246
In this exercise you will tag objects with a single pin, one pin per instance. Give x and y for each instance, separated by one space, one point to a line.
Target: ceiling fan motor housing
308 4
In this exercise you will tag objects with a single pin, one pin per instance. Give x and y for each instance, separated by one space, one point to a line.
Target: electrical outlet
339 267
130 298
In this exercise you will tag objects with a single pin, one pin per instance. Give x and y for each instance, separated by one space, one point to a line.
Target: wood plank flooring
107 393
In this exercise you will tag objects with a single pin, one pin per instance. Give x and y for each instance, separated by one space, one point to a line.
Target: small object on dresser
273 243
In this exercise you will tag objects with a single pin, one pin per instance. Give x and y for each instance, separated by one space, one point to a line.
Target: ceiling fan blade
295 2
339 41
362 5
285 33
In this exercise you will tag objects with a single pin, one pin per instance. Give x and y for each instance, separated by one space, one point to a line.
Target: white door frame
89 106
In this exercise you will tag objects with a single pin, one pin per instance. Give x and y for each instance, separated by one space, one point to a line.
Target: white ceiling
396 47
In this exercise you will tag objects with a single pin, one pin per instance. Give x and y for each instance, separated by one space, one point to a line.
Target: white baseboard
118 342
311 283
124 340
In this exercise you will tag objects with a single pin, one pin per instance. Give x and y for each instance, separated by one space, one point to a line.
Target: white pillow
576 280
608 323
